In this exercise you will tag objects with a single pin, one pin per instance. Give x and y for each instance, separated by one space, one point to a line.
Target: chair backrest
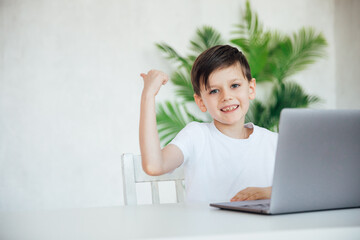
132 173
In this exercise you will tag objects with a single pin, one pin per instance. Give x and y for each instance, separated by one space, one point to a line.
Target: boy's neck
237 131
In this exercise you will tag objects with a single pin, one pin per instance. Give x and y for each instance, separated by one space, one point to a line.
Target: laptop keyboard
257 206
260 206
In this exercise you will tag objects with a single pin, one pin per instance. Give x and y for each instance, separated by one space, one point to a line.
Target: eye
214 91
235 85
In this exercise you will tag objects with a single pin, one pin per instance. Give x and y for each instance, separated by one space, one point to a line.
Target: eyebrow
231 80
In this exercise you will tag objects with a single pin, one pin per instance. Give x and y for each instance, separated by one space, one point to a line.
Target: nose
226 95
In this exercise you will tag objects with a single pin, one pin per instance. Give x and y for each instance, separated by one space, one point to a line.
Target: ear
200 103
252 89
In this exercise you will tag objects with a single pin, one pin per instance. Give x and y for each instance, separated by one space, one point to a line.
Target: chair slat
141 176
133 173
180 195
129 186
155 193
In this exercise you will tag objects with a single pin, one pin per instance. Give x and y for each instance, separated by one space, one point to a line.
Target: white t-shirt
217 167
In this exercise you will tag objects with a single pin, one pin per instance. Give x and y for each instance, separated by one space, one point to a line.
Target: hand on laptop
252 193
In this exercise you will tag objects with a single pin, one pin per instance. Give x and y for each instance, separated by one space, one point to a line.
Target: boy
222 157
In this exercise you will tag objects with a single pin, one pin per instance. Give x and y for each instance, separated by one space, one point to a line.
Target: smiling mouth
229 109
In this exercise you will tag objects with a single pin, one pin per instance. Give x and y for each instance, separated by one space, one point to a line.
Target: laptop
317 164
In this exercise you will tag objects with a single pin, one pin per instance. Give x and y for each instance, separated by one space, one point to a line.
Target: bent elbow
152 170
153 173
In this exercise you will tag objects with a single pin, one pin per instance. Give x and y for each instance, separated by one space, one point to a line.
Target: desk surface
172 221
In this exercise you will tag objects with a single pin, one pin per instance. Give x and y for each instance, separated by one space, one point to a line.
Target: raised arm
154 160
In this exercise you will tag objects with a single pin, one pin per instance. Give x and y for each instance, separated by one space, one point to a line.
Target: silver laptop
317 164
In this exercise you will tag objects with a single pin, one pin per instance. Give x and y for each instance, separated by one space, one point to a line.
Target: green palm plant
273 57
172 116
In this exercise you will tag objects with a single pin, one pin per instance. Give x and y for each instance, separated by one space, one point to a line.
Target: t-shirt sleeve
187 138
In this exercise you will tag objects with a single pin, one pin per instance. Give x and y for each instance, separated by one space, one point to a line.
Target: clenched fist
153 81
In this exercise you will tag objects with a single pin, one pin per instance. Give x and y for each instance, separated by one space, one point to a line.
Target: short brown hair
214 58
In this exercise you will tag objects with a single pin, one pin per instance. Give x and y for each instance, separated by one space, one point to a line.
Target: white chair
132 173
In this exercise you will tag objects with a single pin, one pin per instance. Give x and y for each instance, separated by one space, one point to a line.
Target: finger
235 199
165 78
245 198
239 197
143 75
246 193
253 197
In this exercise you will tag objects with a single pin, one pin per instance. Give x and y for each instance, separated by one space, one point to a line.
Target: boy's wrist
147 95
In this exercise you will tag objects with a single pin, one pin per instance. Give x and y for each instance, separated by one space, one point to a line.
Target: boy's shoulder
197 128
206 129
265 131
200 125
193 132
264 135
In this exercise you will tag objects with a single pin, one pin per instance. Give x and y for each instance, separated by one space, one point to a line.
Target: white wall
347 43
70 85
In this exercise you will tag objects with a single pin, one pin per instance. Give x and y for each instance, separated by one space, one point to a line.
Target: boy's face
227 97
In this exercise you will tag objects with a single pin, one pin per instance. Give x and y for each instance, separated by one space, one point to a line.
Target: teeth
229 108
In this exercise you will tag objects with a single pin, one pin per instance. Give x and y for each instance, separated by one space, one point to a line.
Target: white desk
176 221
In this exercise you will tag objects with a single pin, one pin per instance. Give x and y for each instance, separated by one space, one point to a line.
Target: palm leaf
289 95
184 89
173 55
170 120
272 56
259 114
296 53
285 95
250 26
269 68
292 95
253 42
206 37
192 117
171 117
308 47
